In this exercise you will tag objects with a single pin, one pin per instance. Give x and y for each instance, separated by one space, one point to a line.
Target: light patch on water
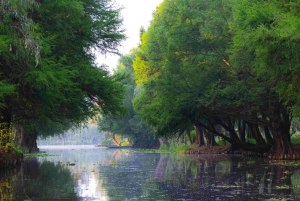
89 188
55 147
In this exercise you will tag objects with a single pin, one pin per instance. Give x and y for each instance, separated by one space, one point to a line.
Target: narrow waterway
90 173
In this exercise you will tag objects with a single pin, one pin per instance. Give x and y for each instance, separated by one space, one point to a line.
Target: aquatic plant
38 155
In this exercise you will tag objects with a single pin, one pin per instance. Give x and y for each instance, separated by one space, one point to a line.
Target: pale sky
135 13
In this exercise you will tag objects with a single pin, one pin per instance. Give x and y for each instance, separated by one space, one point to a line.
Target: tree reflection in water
106 174
205 177
7 183
44 180
124 177
209 177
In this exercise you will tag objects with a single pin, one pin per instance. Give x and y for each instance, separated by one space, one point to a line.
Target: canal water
87 173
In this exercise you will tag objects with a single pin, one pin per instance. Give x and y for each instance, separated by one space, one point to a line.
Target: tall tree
266 55
222 64
66 85
17 43
190 62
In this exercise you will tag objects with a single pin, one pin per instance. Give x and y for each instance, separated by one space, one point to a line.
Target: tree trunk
184 139
116 140
26 141
199 135
235 140
163 140
30 141
188 133
210 138
269 138
19 136
249 133
242 130
283 149
256 133
280 128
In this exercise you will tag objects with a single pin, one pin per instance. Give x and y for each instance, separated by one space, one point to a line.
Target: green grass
165 149
179 148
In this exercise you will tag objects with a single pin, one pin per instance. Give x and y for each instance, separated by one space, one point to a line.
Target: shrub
179 148
295 139
163 147
125 143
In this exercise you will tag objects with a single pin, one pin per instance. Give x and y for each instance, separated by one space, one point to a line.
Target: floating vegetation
179 150
38 155
286 163
276 199
148 151
70 164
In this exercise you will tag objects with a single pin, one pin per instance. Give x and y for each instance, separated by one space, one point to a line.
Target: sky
135 13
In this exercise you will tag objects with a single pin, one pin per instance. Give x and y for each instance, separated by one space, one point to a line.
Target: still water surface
88 173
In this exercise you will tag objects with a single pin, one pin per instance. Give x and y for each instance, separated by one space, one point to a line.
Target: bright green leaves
141 71
182 62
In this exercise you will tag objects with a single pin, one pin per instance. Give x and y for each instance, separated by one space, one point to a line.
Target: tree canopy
222 66
63 84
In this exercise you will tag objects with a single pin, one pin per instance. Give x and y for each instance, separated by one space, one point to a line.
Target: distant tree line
85 135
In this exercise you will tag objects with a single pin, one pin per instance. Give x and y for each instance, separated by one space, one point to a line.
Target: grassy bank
180 149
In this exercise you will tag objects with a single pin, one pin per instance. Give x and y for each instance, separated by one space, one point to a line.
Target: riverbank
219 149
225 149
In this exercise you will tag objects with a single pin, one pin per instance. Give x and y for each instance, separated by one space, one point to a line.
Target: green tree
265 56
129 125
221 64
190 62
66 85
17 42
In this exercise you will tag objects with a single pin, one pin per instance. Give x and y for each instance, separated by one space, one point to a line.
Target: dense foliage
221 68
47 67
224 68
